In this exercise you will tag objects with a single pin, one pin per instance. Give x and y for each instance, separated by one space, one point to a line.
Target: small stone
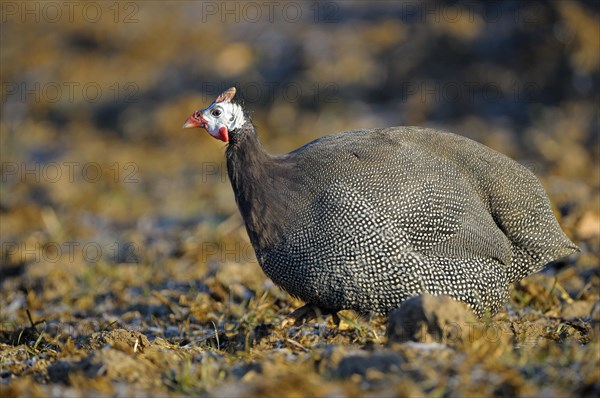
375 363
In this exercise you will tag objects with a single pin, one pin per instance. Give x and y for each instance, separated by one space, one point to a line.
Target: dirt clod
430 318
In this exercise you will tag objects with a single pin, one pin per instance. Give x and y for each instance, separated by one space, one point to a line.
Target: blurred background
96 168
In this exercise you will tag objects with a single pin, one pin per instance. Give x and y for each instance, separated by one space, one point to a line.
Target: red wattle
223 134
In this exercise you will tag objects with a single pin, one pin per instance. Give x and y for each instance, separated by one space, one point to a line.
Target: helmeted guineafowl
364 219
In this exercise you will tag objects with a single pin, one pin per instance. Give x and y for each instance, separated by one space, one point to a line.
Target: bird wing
410 197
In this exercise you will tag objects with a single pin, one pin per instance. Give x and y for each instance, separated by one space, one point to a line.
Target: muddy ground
126 269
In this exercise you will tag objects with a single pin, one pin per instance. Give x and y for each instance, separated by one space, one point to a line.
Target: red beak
194 121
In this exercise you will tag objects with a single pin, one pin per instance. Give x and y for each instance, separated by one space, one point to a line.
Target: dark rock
59 372
360 364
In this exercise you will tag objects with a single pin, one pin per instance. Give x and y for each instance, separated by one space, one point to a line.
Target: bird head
220 118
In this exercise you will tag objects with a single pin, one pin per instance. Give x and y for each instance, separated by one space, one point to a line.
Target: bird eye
216 112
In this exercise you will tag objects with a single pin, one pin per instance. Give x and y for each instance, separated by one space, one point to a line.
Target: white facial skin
218 119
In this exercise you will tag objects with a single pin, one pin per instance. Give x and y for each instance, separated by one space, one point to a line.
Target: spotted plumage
364 219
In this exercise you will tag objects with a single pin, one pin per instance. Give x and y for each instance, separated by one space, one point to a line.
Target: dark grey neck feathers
257 179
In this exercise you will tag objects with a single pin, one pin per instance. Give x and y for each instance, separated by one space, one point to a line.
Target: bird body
365 219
